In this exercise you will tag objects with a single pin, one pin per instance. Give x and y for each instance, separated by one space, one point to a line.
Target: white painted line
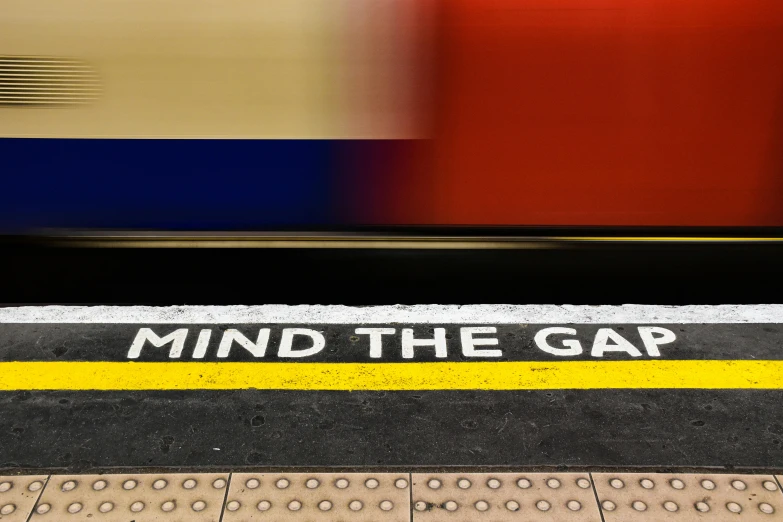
417 314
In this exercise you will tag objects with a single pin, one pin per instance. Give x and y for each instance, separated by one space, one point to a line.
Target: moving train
271 115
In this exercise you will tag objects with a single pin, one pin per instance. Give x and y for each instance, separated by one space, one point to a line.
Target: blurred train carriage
324 114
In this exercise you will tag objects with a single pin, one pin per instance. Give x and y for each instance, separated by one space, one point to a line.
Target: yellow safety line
63 375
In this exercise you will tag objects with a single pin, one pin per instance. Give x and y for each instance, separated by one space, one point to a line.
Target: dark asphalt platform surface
662 429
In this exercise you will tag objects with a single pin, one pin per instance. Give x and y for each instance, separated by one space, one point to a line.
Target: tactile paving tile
562 497
140 498
18 495
628 497
318 496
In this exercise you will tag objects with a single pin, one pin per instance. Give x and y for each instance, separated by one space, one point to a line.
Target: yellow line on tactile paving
390 376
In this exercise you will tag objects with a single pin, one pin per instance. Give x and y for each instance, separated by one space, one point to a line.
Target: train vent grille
46 82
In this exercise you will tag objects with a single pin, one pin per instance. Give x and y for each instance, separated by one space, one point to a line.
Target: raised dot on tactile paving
616 483
74 508
583 483
189 484
7 509
386 505
464 483
43 509
638 505
647 483
341 483
677 484
5 486
324 505
219 483
264 505
69 485
573 505
512 505
401 483
169 506
160 484
708 484
99 485
420 506
523 483
355 505
553 483
766 508
670 506
252 483
733 507
233 505
543 505
137 506
199 505
282 483
294 505
312 483
105 507
608 505
770 486
35 486
702 506
450 505
738 485
371 483
493 483
481 505
130 484
433 484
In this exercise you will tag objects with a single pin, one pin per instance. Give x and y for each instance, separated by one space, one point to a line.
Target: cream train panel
223 68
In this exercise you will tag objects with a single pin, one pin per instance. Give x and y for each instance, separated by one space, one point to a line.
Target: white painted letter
439 342
574 346
469 343
201 344
177 338
621 345
288 340
651 343
258 349
376 335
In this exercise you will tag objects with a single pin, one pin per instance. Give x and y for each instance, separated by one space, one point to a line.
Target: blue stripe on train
165 184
